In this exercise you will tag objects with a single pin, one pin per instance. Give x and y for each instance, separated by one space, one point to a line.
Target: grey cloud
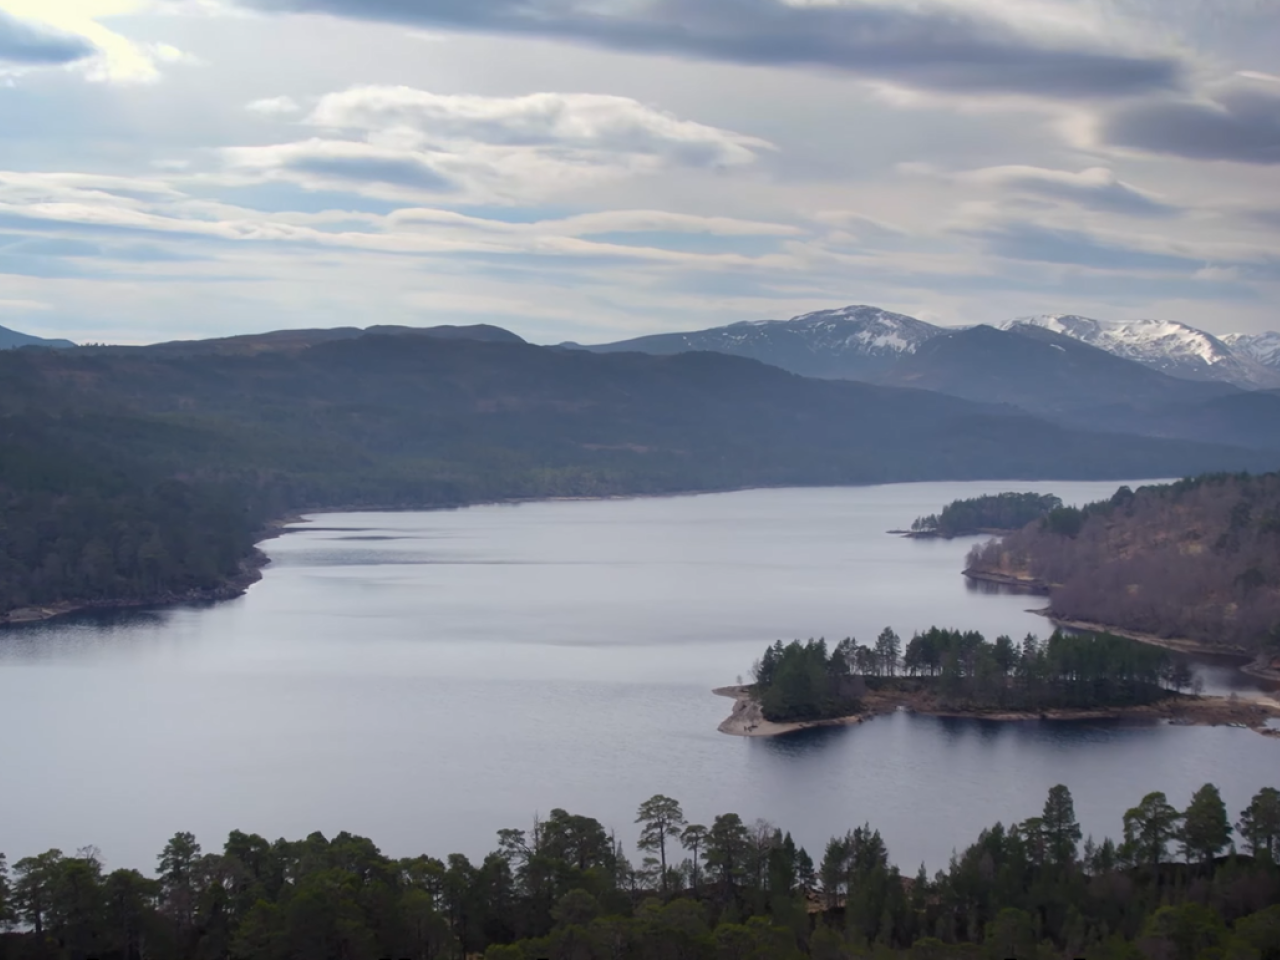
400 172
938 48
26 43
1110 196
1027 241
1240 124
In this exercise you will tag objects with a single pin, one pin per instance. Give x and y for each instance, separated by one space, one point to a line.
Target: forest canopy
1198 559
962 670
1179 884
993 513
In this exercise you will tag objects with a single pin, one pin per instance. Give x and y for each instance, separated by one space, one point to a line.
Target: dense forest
1198 559
147 473
1179 885
964 671
994 513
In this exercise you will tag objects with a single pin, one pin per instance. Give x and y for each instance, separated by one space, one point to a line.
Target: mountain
1172 348
851 343
1047 374
133 474
1262 347
12 339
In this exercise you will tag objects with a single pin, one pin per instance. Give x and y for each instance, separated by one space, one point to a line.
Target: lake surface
425 679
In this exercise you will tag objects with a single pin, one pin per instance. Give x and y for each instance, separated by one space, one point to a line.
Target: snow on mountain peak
1174 348
1262 347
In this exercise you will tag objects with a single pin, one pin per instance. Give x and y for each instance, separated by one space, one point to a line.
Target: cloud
1096 188
1122 253
342 164
273 106
568 121
961 46
32 44
419 145
1240 123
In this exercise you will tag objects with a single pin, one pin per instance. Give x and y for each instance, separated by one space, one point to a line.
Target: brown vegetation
1198 559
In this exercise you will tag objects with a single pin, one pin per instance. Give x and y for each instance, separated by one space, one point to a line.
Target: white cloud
273 106
489 149
569 121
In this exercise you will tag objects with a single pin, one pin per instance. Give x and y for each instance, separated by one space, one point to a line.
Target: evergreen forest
1189 884
963 671
996 512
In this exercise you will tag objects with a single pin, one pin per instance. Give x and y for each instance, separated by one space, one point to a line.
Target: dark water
427 678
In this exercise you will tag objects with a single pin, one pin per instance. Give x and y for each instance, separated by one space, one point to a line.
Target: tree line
92 438
963 670
1177 886
1001 511
1198 559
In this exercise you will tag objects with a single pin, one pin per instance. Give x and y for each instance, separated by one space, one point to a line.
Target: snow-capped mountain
851 342
1263 347
1173 348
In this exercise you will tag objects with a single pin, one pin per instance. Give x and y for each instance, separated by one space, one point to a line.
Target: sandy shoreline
747 719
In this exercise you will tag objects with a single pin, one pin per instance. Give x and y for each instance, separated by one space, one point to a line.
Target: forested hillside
1198 559
1190 884
134 473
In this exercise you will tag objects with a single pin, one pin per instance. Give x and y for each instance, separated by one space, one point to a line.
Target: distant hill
1046 374
142 473
851 343
1198 559
293 340
11 339
1173 348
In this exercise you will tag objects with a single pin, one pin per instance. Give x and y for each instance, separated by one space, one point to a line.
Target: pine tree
1205 827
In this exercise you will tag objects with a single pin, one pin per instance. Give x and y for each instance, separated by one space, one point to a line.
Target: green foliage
1069 670
1206 831
802 681
1149 828
996 512
1260 825
557 891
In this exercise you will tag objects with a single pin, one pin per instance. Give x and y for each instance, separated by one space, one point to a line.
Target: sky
593 170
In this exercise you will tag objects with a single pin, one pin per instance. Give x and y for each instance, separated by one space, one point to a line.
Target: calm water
427 678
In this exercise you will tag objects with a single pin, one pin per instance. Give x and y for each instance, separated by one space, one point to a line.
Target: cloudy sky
597 169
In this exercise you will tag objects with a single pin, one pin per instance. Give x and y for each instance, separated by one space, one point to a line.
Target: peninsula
1192 565
949 673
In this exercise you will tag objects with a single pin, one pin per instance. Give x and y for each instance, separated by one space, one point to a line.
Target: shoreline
1026 584
747 719
251 566
1255 665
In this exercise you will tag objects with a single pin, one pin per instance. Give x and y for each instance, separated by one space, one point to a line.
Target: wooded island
953 672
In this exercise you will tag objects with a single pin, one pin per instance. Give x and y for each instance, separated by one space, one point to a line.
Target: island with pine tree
957 673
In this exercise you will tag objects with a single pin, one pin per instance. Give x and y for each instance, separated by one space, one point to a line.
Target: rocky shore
747 719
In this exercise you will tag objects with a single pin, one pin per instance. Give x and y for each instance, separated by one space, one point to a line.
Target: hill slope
12 339
1045 373
1199 559
143 473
